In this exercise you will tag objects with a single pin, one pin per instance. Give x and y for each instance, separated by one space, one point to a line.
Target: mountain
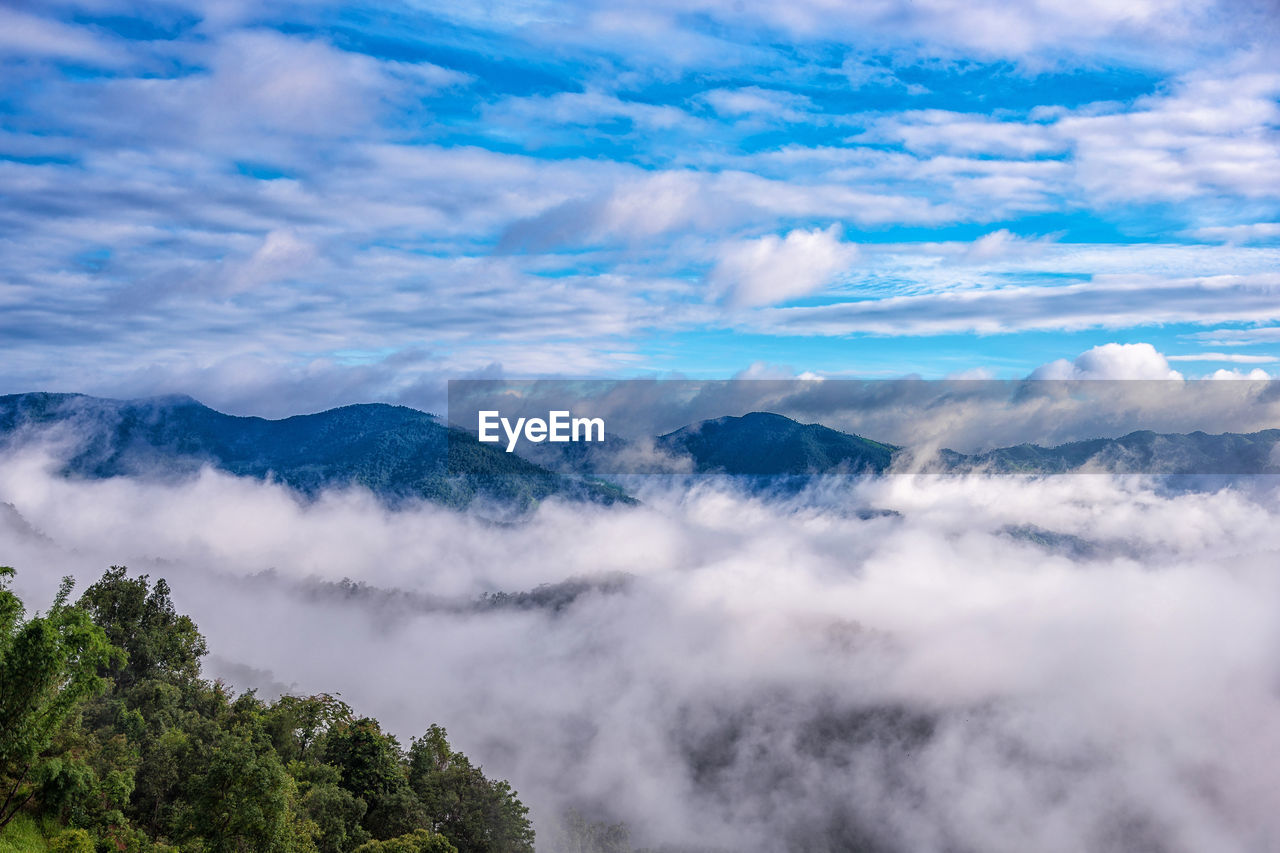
773 447
763 444
398 453
1142 452
403 455
769 445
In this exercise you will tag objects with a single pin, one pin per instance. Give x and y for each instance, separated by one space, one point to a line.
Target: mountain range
403 455
399 454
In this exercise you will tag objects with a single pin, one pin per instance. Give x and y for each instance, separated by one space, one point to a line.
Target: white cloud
1239 337
1236 358
931 131
1256 374
1029 697
26 35
1106 301
282 255
1111 361
1003 246
1036 33
1233 234
757 102
1215 133
773 269
1039 34
155 172
293 85
765 370
631 207
975 373
862 73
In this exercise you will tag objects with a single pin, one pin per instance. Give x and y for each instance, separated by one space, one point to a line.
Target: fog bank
1076 662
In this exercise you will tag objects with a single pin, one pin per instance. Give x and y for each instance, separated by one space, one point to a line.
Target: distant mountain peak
170 400
769 444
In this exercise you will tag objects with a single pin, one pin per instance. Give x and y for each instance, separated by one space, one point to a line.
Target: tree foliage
418 841
479 815
48 666
107 727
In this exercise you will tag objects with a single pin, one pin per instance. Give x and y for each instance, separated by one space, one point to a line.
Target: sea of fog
1070 663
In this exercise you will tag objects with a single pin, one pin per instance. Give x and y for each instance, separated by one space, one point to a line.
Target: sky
279 208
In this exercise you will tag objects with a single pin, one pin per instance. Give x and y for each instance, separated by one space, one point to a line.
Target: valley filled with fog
906 662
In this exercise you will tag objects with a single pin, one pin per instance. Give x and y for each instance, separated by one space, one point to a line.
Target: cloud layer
999 665
247 204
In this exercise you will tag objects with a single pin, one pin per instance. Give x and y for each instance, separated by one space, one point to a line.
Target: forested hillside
110 740
767 444
397 453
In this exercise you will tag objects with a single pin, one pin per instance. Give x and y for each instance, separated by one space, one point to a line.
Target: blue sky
282 207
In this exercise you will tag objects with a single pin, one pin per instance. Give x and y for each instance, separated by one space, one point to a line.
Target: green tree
418 841
372 769
478 815
336 812
297 723
141 620
48 666
72 841
241 803
155 756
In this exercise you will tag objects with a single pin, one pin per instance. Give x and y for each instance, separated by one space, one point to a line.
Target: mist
968 415
987 663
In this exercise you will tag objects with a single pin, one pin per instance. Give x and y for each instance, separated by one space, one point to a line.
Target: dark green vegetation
111 741
399 454
402 455
1142 452
765 444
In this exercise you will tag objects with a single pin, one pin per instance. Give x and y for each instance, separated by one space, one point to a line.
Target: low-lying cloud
958 674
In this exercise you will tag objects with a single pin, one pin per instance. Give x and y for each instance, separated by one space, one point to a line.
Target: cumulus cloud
1111 361
999 664
766 370
1256 373
773 269
999 245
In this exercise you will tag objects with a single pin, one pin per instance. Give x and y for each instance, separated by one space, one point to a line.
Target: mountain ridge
402 454
769 444
399 453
